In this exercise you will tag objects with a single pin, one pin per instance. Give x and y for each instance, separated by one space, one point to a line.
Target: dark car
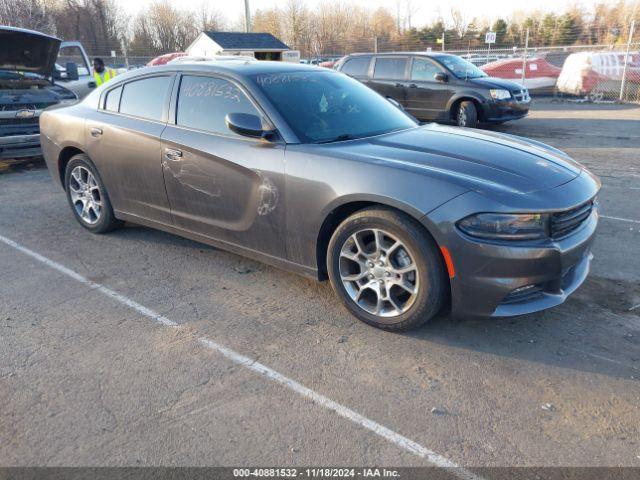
27 62
439 87
309 170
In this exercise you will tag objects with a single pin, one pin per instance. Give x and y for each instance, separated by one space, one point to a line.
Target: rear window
145 98
113 100
356 66
392 68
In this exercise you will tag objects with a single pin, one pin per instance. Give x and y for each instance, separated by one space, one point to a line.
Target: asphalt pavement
91 374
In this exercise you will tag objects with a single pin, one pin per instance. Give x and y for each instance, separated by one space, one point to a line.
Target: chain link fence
597 73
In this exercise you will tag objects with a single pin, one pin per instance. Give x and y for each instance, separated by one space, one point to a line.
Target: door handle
399 85
96 132
172 154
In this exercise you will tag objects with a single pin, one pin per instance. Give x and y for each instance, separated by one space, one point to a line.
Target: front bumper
502 111
20 146
490 274
499 279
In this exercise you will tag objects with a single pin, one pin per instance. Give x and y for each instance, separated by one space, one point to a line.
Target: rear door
220 184
389 77
123 140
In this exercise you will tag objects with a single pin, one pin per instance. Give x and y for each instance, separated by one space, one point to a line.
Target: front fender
466 95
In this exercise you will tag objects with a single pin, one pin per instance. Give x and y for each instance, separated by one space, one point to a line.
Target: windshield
460 67
330 106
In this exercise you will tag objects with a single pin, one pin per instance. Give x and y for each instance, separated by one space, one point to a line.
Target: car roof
239 67
393 54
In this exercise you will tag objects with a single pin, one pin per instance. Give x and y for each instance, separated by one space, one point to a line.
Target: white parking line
620 219
319 399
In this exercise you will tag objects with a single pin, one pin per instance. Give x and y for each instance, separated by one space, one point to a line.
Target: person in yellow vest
101 74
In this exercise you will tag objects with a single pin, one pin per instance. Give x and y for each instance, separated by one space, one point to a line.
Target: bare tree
209 18
31 14
460 23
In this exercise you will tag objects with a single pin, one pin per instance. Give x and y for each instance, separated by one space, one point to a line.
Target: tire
81 173
362 287
467 115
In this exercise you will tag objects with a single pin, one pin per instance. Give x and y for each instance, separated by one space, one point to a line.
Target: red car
164 59
540 75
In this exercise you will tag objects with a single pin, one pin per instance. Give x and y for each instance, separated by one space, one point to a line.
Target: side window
73 54
391 68
423 69
204 102
356 66
145 98
112 102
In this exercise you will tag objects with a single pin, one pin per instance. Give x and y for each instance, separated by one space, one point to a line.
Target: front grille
521 95
19 121
563 223
14 107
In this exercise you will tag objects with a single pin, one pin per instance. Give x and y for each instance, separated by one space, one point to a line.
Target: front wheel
386 269
88 196
467 115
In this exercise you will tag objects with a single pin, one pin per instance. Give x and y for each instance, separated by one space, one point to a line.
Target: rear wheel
88 196
386 269
467 114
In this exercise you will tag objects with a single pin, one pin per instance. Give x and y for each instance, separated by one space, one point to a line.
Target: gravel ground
86 380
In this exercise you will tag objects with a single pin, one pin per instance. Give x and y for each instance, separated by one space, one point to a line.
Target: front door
426 98
220 184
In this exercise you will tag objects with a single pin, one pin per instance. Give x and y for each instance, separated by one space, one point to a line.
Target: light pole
247 16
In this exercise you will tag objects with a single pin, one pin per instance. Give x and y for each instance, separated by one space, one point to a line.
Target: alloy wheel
85 195
378 272
462 118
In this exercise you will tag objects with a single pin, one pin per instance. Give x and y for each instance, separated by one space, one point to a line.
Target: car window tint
113 100
392 68
145 98
423 69
356 66
204 102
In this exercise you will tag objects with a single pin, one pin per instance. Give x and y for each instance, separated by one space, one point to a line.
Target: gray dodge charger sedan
309 170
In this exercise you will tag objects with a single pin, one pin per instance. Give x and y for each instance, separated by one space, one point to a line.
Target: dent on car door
220 184
388 79
123 140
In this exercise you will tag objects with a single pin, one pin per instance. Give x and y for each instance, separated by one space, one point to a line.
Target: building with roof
262 46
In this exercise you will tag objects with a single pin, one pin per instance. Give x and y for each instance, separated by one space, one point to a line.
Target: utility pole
524 57
443 40
626 59
375 44
247 16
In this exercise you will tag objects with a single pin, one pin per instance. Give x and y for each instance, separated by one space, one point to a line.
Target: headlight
499 94
505 226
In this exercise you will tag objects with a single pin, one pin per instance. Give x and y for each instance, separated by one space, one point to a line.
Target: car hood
485 162
27 51
493 82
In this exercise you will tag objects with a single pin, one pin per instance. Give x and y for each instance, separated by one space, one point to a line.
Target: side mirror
72 71
248 125
441 77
